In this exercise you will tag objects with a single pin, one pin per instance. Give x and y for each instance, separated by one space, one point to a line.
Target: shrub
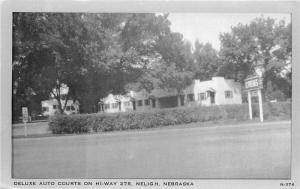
83 123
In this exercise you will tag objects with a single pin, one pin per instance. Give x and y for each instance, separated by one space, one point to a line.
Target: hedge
83 123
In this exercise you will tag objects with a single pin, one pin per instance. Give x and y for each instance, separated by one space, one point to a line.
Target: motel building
49 107
217 91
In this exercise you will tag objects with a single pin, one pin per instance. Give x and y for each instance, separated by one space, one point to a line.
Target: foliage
46 58
92 54
171 78
97 54
165 117
173 68
263 42
206 61
174 49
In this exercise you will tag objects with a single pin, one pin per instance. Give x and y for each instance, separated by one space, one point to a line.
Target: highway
234 151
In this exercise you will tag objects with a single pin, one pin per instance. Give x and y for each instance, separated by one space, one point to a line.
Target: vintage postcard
153 97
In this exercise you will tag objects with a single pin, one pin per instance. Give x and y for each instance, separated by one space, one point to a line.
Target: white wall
202 87
111 99
49 104
135 96
218 84
228 85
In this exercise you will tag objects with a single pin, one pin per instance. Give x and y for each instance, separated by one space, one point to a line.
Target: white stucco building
49 107
217 91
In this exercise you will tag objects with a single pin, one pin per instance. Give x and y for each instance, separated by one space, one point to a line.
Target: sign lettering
253 83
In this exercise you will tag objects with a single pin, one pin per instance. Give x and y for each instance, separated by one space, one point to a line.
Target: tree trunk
60 109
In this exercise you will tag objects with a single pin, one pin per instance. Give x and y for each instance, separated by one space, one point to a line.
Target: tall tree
172 69
175 72
206 61
53 49
159 51
263 42
92 54
170 78
174 49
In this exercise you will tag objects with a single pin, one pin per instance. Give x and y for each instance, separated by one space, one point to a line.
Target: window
201 96
147 102
127 103
54 106
191 97
114 105
72 108
140 103
68 108
228 94
106 106
45 109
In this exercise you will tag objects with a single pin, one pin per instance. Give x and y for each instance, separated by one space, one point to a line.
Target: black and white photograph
151 95
178 96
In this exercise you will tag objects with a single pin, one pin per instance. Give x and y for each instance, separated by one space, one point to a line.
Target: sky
206 27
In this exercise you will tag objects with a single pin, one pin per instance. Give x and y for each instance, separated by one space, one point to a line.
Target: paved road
239 151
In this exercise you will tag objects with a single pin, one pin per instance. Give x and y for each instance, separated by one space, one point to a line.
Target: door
153 103
212 97
182 100
119 103
134 105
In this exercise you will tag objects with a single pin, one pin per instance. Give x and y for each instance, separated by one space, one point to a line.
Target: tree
174 49
53 49
175 70
263 42
172 68
92 54
164 56
170 79
206 61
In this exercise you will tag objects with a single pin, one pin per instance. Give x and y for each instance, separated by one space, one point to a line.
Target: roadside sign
253 86
25 119
253 83
25 114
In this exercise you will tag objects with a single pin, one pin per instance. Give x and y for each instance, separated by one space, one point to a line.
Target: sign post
253 86
25 119
250 105
261 114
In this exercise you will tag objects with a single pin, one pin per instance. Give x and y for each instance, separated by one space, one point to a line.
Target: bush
83 123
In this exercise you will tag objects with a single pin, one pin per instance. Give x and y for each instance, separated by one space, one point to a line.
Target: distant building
217 91
49 107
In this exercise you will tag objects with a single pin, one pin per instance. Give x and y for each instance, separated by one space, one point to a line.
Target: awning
210 89
151 97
